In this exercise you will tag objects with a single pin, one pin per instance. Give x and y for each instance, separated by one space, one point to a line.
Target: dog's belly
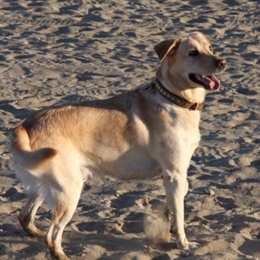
133 164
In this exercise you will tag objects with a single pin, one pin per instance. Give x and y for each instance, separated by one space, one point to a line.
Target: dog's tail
33 161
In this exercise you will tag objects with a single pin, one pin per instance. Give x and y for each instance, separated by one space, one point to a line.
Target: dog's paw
186 245
193 245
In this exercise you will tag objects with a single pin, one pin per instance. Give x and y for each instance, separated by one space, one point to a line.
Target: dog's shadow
10 107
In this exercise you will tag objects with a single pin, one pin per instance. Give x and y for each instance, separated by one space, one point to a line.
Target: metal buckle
195 106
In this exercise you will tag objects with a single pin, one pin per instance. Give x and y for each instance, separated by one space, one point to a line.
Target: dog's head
190 61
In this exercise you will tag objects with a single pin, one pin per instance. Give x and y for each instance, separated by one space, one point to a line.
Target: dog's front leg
175 185
175 192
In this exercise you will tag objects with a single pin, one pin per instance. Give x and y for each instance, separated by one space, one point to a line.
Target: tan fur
21 146
136 135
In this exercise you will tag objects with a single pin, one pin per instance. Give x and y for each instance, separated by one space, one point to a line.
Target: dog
150 131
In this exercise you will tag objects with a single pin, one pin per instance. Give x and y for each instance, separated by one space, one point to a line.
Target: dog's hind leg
61 216
28 213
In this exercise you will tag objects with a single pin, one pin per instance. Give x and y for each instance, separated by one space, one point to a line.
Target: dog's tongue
209 81
214 83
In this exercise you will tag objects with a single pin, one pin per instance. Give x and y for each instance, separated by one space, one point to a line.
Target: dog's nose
221 63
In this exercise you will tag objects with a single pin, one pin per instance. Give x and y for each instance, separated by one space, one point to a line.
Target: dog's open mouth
210 82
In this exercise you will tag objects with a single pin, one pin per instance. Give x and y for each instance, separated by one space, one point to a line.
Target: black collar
181 102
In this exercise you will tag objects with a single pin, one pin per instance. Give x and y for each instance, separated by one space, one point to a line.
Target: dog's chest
182 125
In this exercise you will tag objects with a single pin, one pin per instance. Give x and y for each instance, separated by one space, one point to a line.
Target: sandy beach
66 51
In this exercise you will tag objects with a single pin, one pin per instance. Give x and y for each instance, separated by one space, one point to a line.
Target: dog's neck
175 99
178 86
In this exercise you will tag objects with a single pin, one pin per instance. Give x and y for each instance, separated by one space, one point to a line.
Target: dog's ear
166 48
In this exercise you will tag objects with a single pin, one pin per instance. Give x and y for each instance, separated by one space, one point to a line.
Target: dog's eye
210 48
194 53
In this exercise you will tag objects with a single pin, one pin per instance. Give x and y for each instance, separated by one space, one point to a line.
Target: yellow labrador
150 131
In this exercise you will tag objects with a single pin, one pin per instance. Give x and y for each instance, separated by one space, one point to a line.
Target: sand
65 51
